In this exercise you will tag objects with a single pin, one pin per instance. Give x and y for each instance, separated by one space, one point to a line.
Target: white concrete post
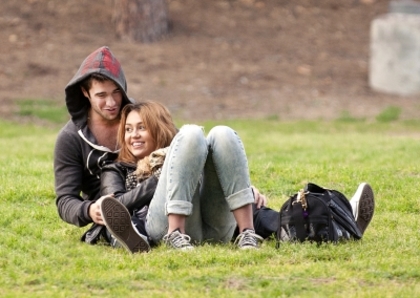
394 65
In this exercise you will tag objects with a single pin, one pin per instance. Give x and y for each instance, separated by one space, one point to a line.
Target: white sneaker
248 240
178 240
363 205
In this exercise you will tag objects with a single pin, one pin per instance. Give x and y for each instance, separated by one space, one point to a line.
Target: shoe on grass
363 205
118 222
178 240
248 240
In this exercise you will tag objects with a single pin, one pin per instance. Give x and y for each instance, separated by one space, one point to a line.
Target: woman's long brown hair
158 121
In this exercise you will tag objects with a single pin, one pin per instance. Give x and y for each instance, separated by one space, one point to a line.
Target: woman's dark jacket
114 181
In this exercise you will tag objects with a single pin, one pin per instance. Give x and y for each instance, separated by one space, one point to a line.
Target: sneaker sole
248 247
366 207
118 222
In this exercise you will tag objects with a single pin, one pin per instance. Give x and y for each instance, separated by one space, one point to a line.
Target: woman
119 179
203 192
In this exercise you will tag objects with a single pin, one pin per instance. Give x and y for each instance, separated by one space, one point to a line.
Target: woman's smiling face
137 138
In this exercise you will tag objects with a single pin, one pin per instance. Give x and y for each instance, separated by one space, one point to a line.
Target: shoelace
178 240
248 238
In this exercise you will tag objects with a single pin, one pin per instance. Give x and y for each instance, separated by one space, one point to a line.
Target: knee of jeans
220 132
192 129
192 135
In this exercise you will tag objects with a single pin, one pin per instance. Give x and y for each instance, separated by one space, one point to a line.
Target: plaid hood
100 61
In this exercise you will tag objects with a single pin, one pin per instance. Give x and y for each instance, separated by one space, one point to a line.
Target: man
94 98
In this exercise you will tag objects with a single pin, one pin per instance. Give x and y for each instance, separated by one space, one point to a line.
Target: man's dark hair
87 82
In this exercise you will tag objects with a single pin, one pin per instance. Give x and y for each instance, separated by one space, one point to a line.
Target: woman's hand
259 199
95 211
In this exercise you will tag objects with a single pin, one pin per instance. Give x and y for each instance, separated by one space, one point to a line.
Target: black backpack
316 214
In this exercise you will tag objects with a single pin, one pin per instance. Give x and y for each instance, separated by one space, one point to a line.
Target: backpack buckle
302 199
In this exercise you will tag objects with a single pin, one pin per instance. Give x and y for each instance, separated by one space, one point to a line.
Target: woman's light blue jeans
204 178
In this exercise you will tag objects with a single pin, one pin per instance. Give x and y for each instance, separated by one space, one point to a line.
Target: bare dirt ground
288 59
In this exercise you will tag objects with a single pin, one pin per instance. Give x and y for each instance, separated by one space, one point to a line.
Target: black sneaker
363 204
118 222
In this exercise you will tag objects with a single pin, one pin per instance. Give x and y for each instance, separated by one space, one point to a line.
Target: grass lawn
41 256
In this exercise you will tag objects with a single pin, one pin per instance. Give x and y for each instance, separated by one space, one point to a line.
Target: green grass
389 114
42 109
41 256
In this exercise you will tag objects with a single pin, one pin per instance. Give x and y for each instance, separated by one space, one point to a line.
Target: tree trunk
141 20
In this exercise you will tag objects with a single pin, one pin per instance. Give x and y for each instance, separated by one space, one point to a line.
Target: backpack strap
299 209
299 222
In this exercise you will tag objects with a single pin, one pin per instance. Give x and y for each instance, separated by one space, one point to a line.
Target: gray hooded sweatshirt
78 159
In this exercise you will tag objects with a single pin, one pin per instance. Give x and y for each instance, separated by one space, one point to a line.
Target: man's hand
95 211
259 199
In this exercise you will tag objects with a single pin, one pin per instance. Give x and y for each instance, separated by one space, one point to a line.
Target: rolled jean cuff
240 199
178 207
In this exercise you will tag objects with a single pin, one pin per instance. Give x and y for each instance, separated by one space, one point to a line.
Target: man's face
105 99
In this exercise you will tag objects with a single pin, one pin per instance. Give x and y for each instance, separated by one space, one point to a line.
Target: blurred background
221 59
